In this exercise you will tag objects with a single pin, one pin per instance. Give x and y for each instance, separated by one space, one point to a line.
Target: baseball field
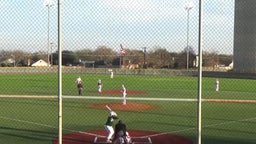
158 105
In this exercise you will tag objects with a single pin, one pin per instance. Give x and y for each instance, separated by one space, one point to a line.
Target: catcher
109 125
121 134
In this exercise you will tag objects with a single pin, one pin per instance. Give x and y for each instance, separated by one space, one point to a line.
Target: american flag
122 50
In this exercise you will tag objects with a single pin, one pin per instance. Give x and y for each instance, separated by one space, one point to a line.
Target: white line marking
49 126
128 98
153 135
96 97
117 98
212 125
27 96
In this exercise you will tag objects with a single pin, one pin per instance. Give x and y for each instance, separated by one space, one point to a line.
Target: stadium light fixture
48 4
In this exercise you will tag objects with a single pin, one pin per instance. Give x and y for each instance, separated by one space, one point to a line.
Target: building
245 36
40 63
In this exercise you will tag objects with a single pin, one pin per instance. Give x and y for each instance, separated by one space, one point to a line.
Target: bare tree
159 58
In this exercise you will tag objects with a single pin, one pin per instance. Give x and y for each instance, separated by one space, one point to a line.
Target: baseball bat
108 108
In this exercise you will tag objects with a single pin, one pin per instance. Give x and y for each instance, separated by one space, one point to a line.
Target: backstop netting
177 71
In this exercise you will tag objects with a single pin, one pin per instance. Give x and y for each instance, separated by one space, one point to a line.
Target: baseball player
109 125
111 74
123 91
120 133
217 85
128 137
99 86
79 84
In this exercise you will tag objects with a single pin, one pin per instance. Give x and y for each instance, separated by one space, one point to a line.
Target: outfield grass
29 121
156 86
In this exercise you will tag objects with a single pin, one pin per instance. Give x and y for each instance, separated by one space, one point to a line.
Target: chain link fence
149 46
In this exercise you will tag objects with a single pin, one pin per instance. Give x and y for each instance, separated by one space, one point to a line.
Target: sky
88 24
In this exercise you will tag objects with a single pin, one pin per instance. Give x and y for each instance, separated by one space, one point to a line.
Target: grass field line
28 122
28 96
207 126
96 97
46 125
153 135
230 100
128 98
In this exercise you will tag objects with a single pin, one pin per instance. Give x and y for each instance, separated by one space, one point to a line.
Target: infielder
79 84
111 74
123 91
217 85
99 86
109 125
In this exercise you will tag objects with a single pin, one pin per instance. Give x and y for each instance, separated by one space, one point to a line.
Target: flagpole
120 63
122 54
123 60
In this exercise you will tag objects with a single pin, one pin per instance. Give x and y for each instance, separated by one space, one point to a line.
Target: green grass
29 121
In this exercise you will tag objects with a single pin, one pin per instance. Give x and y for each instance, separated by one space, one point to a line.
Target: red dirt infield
128 107
87 137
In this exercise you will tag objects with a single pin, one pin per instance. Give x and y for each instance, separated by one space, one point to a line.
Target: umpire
120 133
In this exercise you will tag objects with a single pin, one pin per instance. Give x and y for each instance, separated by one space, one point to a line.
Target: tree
4 55
20 57
103 53
37 56
159 58
135 56
84 54
224 59
209 59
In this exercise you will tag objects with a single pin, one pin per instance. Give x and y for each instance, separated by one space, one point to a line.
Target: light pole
48 4
51 62
188 7
14 60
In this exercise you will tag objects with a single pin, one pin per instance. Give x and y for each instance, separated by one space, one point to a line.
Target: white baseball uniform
123 90
99 86
111 74
217 85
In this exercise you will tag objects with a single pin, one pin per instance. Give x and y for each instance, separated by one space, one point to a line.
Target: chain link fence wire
151 47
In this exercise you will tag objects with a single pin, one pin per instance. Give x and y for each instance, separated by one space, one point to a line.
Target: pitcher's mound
129 92
128 107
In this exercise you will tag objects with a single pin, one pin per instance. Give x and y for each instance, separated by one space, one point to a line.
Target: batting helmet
112 113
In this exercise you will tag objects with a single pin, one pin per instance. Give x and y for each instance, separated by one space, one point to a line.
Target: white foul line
153 135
